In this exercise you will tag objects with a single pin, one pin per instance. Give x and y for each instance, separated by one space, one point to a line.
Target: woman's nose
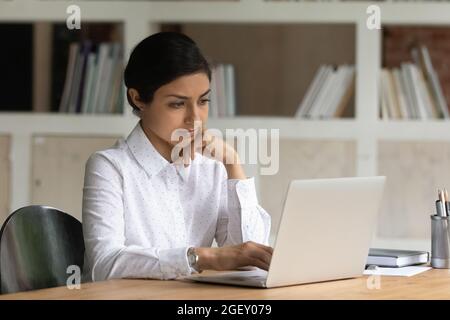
193 114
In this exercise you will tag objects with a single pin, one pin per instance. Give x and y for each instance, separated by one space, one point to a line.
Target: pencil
442 205
447 204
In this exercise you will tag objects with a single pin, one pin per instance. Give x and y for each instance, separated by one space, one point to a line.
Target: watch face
191 259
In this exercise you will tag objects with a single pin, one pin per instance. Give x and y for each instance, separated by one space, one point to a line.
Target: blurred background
348 99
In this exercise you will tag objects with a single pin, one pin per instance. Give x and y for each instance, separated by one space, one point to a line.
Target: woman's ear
136 99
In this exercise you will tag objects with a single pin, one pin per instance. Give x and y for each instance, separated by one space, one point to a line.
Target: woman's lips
192 131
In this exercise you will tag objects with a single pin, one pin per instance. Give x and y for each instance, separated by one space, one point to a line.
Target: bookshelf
415 80
275 62
54 69
361 139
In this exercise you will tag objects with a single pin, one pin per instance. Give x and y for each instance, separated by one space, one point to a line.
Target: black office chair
37 245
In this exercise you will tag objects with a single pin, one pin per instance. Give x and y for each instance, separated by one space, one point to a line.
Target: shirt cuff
174 262
241 193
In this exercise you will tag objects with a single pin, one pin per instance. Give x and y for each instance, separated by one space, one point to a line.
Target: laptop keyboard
246 278
244 275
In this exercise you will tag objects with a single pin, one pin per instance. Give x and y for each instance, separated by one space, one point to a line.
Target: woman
148 216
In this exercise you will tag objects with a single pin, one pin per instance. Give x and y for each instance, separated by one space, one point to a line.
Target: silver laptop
325 233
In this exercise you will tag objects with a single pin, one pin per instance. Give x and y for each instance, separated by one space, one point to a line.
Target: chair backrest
37 245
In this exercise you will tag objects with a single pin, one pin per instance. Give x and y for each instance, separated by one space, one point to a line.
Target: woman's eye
176 104
204 101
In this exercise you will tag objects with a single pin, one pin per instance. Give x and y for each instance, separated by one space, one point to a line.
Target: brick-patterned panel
399 40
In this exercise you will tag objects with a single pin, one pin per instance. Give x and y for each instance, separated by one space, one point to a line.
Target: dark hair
160 59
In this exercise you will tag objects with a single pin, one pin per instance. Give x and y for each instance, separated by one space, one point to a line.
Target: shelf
242 11
65 123
432 130
292 128
116 124
140 18
162 11
405 77
273 81
6 176
53 50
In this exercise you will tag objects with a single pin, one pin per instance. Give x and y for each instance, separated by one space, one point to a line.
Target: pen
439 208
440 204
447 203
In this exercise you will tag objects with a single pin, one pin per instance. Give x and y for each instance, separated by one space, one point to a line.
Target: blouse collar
149 158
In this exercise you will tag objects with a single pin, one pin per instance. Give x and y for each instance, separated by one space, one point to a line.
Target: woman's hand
234 257
215 148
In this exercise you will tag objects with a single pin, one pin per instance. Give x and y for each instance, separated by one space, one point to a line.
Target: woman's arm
104 231
234 257
243 226
242 231
235 171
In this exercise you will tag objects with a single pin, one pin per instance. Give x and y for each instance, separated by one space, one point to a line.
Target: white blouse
141 213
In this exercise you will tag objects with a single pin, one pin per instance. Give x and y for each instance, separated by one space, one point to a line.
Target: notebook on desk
396 258
324 234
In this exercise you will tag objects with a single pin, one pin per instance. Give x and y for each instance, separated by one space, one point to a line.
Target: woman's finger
265 248
260 264
260 254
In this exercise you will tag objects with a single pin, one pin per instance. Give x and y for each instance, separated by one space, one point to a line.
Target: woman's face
177 105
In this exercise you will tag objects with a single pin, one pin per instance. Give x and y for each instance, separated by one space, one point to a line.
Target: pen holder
440 242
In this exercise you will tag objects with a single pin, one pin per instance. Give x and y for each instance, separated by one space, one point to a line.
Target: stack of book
329 93
412 91
223 97
93 81
396 258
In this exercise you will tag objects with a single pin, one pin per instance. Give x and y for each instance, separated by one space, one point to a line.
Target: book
329 93
90 72
384 109
311 92
434 85
98 86
213 104
349 91
322 97
396 258
335 94
65 100
424 112
223 91
393 96
325 74
387 95
412 91
230 90
399 89
221 97
86 50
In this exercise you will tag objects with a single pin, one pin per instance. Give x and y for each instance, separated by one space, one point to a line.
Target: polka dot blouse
141 213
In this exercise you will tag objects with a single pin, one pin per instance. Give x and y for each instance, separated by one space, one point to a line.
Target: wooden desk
432 284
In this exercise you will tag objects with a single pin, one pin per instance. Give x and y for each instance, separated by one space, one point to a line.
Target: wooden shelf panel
224 11
274 64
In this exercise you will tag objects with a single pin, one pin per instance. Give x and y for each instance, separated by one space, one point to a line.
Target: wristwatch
193 259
